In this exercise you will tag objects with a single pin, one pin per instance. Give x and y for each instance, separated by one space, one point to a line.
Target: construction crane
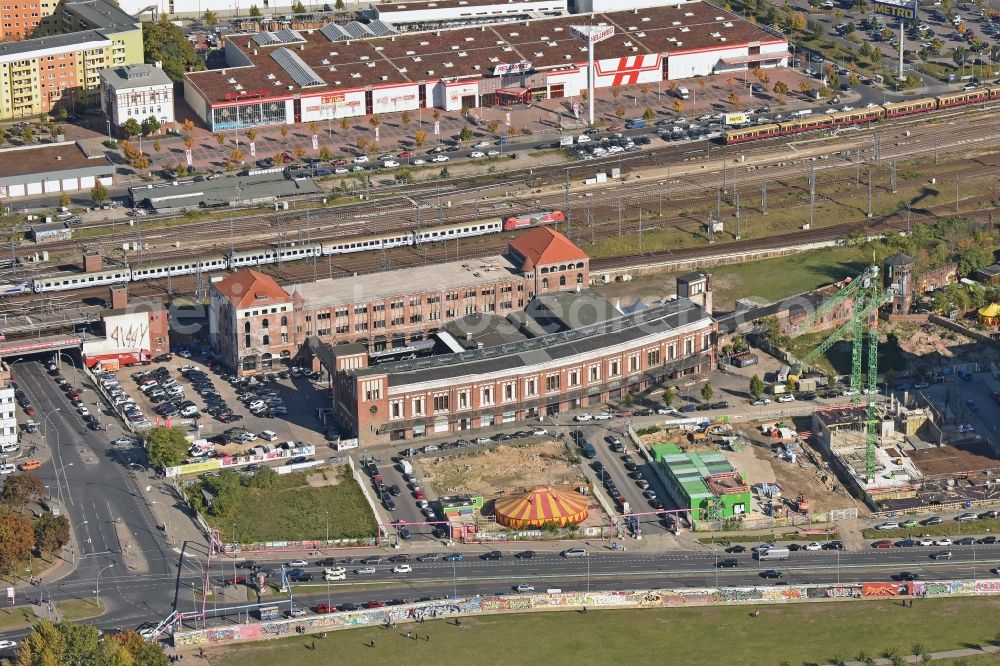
868 298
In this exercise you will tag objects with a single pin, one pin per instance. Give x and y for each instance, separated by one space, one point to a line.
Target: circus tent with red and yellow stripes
542 505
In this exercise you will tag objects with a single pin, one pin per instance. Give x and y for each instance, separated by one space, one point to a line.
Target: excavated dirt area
502 469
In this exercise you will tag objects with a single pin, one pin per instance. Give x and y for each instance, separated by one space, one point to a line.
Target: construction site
920 448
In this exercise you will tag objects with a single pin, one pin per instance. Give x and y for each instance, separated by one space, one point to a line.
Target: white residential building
137 91
8 408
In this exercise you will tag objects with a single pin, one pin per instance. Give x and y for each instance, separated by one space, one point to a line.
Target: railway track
304 224
637 193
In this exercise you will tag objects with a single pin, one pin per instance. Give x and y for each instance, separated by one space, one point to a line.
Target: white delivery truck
773 553
405 467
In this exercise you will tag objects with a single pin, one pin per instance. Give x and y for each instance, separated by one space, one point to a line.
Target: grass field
16 618
767 280
292 510
817 633
78 609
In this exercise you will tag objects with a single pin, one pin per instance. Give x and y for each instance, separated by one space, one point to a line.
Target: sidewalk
956 654
171 513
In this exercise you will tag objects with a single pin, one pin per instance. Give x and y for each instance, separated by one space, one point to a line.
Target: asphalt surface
605 569
90 478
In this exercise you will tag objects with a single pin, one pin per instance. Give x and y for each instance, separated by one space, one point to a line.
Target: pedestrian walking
372 646
409 634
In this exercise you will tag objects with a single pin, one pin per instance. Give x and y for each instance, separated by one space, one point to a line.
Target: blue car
453 557
688 408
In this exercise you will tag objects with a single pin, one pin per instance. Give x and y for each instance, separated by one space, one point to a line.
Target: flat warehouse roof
224 191
404 281
472 53
415 5
513 356
45 160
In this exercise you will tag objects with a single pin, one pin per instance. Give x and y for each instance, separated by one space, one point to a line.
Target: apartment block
62 68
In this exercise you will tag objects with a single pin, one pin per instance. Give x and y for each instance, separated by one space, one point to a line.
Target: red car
406 154
74 395
323 609
375 604
615 128
341 163
237 580
884 543
419 494
30 411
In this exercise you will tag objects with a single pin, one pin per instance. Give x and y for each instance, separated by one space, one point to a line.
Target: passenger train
292 252
877 112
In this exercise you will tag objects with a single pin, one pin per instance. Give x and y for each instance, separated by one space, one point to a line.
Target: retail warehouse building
337 71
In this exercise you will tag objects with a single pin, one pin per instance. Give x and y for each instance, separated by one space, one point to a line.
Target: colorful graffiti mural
444 608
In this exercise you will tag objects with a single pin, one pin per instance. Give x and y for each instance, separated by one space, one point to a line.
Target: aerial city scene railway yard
335 332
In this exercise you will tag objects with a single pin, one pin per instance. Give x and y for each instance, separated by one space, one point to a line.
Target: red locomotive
533 219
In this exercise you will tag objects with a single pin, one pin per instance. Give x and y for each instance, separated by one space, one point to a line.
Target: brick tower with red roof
550 261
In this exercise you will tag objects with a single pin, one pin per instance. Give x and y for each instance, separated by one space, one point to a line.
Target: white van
9 447
683 92
772 553
269 435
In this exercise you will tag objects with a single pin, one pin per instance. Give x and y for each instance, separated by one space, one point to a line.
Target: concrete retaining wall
706 261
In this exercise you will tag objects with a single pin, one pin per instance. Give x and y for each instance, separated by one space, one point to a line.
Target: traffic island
75 610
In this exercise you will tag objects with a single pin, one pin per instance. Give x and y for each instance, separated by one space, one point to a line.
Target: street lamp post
45 421
97 592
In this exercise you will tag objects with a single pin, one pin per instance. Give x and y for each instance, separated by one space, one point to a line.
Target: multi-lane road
92 481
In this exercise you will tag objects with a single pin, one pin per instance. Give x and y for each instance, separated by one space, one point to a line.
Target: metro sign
907 9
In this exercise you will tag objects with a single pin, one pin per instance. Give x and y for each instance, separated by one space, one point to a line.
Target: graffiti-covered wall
554 601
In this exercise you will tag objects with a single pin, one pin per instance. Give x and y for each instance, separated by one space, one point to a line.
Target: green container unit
686 475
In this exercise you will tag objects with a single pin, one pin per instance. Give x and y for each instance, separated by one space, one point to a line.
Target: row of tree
52 644
20 534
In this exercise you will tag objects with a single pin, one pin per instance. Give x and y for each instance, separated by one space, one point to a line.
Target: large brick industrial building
507 337
254 322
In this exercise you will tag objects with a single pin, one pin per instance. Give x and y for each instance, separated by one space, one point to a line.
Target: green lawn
78 609
291 510
772 279
800 633
17 618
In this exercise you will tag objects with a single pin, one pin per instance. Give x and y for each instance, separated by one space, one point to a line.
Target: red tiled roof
246 288
543 246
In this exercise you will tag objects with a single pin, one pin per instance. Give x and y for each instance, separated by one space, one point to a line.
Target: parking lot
188 393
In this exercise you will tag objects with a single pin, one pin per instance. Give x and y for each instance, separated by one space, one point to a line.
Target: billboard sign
594 33
901 9
508 69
